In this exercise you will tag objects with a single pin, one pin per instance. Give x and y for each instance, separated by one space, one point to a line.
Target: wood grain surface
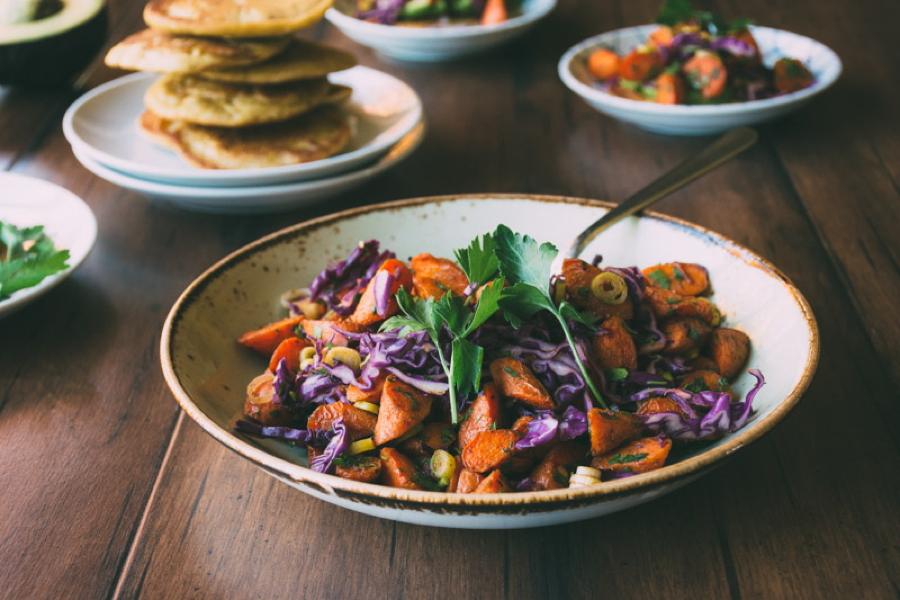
109 491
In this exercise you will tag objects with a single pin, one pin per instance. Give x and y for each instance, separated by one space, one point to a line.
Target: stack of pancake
238 90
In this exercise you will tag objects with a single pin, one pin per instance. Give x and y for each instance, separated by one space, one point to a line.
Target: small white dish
699 120
102 125
255 199
68 221
437 43
208 371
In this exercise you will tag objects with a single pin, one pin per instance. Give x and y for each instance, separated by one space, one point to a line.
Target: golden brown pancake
301 60
313 136
186 97
150 50
233 18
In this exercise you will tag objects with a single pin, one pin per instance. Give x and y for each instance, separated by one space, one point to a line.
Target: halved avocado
48 42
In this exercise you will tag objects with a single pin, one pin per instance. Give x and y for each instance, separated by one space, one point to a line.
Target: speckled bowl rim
522 502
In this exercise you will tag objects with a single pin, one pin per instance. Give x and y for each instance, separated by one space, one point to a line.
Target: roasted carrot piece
613 346
490 449
669 89
433 277
434 436
521 424
658 404
495 483
485 413
641 64
701 381
685 335
366 311
515 380
639 456
685 279
354 394
791 75
609 430
398 470
729 348
289 350
494 12
603 63
402 407
360 423
666 303
468 481
361 468
554 469
706 72
327 331
579 275
662 36
262 405
266 339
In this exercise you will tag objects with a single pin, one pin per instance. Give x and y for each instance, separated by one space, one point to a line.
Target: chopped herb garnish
621 459
27 257
511 371
660 278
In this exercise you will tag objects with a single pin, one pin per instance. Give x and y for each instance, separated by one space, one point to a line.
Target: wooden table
109 491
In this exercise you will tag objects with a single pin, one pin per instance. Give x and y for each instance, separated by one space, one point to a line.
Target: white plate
208 371
431 44
699 120
26 202
256 199
102 125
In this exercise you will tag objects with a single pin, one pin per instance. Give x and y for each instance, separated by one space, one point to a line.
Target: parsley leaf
27 256
526 265
479 261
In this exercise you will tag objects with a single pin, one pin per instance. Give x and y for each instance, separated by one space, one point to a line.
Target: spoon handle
729 145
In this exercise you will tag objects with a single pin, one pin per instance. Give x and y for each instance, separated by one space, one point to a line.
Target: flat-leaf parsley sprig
27 256
526 266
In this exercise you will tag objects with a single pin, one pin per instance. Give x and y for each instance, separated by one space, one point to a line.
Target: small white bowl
434 44
208 371
26 202
707 119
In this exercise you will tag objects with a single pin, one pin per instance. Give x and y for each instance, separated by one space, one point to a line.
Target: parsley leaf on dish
27 256
526 267
479 261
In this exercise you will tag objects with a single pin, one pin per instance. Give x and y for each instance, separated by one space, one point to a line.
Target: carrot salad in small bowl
696 57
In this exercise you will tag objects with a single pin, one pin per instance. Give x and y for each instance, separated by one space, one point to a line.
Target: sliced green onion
367 406
609 288
360 446
443 465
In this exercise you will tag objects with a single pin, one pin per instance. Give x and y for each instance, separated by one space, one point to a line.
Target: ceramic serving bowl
208 371
706 119
433 44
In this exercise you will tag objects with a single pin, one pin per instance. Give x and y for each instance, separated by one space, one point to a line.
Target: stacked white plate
101 126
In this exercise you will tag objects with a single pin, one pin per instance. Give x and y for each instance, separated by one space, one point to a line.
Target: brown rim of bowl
568 498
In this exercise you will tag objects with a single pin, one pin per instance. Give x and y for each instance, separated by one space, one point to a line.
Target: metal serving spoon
726 147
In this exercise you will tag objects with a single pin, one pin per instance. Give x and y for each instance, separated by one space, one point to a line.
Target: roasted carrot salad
437 12
696 57
487 374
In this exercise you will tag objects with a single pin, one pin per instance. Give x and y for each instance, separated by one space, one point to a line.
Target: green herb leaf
522 260
479 261
622 459
488 304
659 277
465 365
616 374
27 257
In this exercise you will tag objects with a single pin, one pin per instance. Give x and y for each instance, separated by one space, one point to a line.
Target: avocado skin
56 60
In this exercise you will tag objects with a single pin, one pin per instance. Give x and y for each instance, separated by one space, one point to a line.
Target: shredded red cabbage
340 284
302 437
542 430
723 416
337 445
